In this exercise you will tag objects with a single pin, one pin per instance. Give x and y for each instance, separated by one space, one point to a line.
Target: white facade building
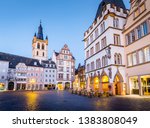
21 76
104 49
50 71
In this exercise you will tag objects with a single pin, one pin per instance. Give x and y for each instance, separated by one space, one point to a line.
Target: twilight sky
64 21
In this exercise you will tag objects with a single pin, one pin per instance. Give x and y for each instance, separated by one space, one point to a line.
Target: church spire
40 32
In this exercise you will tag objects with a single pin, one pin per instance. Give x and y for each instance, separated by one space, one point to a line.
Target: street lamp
108 52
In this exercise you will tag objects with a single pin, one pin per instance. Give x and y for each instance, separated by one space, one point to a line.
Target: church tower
39 45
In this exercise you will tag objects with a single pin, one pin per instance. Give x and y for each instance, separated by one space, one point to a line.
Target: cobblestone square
65 101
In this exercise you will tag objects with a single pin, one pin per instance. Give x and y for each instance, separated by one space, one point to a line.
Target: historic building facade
65 68
22 73
50 71
137 47
104 49
79 81
39 45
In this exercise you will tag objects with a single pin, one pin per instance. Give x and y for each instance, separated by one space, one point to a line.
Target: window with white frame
134 55
117 39
91 38
96 33
98 63
102 27
97 47
145 28
103 43
133 36
118 59
116 22
87 54
92 65
92 51
130 60
147 54
87 42
106 60
141 56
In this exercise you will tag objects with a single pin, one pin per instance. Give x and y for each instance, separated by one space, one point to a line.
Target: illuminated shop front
105 83
134 85
145 83
96 84
138 82
60 86
2 86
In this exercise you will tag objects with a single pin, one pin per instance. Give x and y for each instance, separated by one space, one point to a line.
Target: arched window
102 27
115 58
118 59
116 22
43 47
98 63
43 54
38 45
37 53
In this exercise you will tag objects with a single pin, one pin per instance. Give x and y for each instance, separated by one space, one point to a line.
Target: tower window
38 46
37 53
43 46
43 54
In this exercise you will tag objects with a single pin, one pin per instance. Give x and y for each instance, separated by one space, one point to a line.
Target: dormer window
35 63
112 6
118 9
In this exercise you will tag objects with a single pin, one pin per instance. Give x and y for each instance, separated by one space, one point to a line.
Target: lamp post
108 52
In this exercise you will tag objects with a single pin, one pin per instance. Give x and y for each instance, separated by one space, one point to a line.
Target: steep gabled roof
14 60
118 3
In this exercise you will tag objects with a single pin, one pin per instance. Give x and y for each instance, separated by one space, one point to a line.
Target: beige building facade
137 48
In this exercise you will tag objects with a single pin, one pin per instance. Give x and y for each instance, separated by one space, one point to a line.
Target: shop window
134 85
145 83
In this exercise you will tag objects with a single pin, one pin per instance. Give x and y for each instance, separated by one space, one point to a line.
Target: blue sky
64 21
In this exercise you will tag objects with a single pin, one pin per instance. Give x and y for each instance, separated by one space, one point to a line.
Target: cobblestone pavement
65 101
